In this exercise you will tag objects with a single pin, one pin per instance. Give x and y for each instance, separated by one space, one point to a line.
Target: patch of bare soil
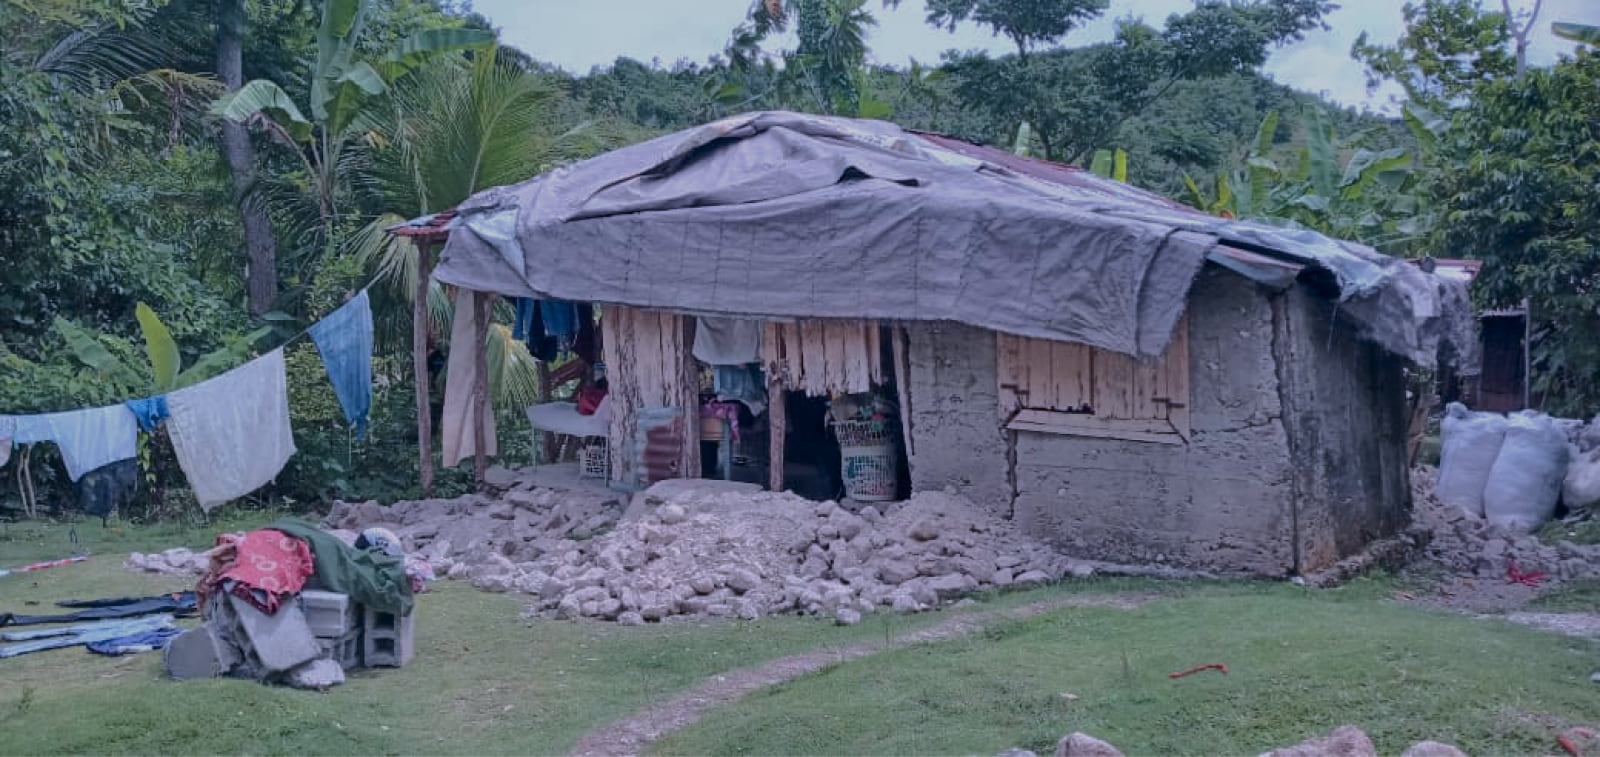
634 734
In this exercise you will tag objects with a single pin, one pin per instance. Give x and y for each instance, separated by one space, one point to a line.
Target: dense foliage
184 183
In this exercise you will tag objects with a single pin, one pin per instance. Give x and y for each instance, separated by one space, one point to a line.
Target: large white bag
1525 482
1471 442
1581 490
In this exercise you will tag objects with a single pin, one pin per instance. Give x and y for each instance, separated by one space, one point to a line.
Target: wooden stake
483 303
419 359
777 410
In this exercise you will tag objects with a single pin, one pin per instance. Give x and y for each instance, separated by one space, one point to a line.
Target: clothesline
231 432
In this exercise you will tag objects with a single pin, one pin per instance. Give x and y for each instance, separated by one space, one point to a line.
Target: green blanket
371 578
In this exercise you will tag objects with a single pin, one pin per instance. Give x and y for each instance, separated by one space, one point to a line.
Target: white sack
1581 489
231 433
1525 482
1471 442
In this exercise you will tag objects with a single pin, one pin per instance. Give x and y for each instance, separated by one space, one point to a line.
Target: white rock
672 514
845 616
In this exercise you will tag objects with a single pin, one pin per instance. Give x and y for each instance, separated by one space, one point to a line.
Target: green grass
1581 532
1571 596
1301 664
484 681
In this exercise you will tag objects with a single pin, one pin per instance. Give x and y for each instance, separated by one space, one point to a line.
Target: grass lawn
1301 663
484 681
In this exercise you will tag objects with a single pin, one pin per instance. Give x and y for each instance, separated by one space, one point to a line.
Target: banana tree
1588 35
1341 188
343 96
164 371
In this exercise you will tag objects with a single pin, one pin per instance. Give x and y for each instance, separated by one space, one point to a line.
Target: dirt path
633 734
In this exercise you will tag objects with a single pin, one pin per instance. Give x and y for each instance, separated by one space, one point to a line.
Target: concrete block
387 640
345 650
330 614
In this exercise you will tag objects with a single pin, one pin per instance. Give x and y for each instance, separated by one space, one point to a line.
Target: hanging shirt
458 430
231 433
88 439
108 487
727 341
8 428
149 412
344 338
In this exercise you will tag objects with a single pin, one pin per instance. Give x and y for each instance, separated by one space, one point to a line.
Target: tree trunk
261 271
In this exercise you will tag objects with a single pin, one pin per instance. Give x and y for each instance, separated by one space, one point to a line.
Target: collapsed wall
691 547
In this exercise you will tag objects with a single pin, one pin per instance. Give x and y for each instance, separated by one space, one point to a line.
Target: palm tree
345 101
448 132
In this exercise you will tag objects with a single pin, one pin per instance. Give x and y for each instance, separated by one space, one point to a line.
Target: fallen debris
693 547
1078 744
1344 741
1196 669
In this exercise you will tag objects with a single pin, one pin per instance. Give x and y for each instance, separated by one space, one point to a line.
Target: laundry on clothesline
88 439
344 338
231 433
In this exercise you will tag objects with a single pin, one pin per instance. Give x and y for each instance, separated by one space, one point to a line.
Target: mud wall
1222 502
1344 403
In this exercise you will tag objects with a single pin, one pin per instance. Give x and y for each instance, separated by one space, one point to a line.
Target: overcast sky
580 34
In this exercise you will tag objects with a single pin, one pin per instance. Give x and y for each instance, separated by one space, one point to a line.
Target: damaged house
889 311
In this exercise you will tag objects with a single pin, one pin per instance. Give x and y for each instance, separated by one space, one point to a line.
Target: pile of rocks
691 547
178 561
1466 544
1344 741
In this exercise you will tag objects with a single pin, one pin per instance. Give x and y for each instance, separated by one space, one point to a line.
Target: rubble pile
178 561
690 547
1467 544
1344 741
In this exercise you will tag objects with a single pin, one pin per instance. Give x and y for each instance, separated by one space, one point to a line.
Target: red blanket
269 565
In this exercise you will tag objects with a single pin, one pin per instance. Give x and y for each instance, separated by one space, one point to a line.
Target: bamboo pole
480 387
419 359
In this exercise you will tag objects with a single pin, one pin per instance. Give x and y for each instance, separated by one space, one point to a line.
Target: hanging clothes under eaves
458 429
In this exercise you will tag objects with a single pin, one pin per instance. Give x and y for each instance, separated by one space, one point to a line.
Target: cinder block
330 614
387 640
345 650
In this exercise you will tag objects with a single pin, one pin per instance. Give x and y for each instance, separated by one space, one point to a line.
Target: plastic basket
864 433
870 473
594 461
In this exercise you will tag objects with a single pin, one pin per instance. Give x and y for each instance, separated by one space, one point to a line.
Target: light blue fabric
741 383
136 643
149 412
88 439
344 338
84 633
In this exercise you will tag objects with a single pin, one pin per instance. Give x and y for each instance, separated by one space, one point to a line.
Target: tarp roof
783 215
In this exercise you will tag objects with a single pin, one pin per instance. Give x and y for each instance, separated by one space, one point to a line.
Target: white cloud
580 34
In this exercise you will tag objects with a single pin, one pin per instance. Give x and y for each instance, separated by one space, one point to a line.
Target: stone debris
1077 744
693 547
175 562
1432 749
1345 741
1465 544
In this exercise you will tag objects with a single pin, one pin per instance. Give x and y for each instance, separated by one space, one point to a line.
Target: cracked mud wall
1222 502
1344 401
1294 459
955 425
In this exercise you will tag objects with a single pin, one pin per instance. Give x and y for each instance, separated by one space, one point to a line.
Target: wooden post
775 353
483 303
419 358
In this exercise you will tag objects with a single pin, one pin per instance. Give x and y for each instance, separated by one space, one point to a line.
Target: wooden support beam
419 358
482 305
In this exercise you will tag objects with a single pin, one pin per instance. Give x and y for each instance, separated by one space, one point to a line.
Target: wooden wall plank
1038 386
1011 371
1113 389
1178 379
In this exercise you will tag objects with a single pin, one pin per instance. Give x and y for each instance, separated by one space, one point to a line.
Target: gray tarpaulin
786 215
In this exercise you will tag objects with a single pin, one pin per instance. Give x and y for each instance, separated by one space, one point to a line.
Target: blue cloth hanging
344 338
523 326
560 322
149 413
